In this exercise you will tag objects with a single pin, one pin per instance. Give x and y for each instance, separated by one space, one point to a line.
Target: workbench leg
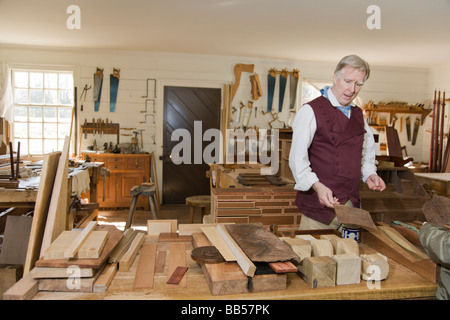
131 212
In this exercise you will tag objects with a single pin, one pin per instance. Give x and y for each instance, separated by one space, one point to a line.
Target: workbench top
401 283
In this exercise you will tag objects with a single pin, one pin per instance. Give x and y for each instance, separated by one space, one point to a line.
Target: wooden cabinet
126 171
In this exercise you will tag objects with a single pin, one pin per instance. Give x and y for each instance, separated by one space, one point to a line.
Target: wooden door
182 107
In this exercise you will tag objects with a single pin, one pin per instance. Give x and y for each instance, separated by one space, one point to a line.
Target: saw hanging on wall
114 87
98 83
293 86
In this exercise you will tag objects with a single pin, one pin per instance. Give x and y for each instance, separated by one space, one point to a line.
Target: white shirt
304 128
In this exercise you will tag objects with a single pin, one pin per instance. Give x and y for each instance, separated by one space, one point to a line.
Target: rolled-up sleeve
304 128
368 166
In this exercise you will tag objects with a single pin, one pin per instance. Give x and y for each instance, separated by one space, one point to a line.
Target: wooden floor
118 217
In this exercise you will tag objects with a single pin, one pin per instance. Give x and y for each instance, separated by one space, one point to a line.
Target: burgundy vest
335 155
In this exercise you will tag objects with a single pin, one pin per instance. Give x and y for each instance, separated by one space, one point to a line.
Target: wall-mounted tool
100 127
154 88
154 105
98 83
114 79
147 115
84 93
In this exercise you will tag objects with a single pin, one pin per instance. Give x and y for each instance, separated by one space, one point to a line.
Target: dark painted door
183 106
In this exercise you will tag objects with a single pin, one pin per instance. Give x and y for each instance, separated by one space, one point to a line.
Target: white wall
385 84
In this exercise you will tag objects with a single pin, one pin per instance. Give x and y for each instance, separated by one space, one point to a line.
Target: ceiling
414 33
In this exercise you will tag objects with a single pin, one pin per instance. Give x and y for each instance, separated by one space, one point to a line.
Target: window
43 103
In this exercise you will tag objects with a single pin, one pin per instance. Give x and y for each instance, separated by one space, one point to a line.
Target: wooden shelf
393 110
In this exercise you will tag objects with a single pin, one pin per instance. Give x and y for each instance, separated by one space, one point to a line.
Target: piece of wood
333 239
318 272
374 266
15 240
283 267
437 210
123 245
24 289
104 280
92 247
348 268
228 278
155 227
146 267
347 245
9 275
217 241
405 244
57 212
44 272
322 248
189 229
177 258
354 216
73 248
160 262
259 244
177 275
301 247
173 237
127 259
244 262
114 237
46 179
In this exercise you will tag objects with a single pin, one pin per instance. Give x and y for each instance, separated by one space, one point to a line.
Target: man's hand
325 195
375 183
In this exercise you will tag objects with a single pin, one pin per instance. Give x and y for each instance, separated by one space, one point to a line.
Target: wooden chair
144 189
201 202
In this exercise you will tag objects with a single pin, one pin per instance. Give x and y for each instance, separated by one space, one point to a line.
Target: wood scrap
283 267
354 216
46 180
123 245
73 248
177 258
318 271
374 266
104 280
177 275
24 289
348 268
160 262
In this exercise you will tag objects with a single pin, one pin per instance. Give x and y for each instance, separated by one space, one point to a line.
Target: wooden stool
142 190
201 202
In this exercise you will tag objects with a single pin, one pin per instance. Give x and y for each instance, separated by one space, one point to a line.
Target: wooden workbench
401 283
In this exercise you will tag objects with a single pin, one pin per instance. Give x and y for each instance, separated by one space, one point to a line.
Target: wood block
348 268
155 227
91 248
146 267
283 267
307 237
379 267
177 275
347 245
24 289
127 259
104 280
321 248
319 271
73 248
9 275
301 247
332 238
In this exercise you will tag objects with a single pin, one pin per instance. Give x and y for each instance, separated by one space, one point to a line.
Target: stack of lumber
251 179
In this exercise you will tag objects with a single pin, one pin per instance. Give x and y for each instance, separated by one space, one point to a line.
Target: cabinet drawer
95 158
136 164
116 163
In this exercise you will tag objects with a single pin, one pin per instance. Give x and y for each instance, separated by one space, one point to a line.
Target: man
333 148
435 240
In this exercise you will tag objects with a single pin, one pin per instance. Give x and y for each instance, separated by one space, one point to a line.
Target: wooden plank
177 275
177 258
49 166
146 267
191 228
16 235
24 289
160 262
92 247
57 212
72 250
244 262
354 216
104 280
155 227
173 237
216 239
45 272
123 245
283 267
128 258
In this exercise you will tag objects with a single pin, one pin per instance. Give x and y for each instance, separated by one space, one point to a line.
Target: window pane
50 114
50 130
35 114
51 80
65 114
36 146
51 97
36 96
36 130
20 130
21 79
21 95
65 97
50 146
65 81
20 113
36 80
23 145
64 130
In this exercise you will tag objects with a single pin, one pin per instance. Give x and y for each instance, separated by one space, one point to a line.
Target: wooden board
259 244
114 236
127 259
354 216
57 212
217 241
49 166
177 258
155 227
437 210
92 247
72 250
24 289
104 280
146 267
17 233
227 278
